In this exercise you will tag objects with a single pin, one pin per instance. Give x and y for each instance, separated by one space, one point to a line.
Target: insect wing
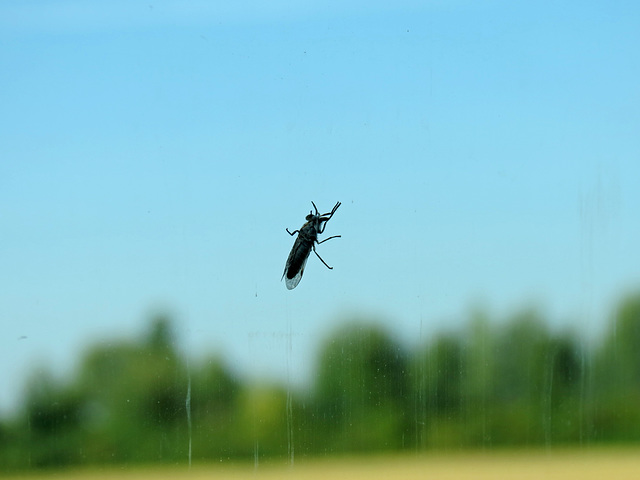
293 282
296 262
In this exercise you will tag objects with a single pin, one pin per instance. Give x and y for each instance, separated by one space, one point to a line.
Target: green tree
214 403
437 372
136 395
361 388
53 414
478 380
615 411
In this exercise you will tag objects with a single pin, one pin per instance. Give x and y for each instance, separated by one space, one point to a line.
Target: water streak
188 408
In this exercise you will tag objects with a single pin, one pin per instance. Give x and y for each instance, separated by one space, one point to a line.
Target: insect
307 238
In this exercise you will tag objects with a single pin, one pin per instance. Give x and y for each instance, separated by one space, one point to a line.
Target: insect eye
309 217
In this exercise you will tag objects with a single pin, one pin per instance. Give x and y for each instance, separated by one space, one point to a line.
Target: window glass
170 172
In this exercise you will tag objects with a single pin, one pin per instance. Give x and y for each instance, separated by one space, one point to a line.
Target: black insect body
307 238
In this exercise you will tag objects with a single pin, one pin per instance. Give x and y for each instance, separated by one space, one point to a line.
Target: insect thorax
309 232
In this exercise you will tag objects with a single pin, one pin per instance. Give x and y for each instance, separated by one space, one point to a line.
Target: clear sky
152 154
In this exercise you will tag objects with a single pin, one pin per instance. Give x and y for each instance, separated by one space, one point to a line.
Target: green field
571 464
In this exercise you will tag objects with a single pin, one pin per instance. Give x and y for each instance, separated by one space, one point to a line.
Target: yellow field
583 465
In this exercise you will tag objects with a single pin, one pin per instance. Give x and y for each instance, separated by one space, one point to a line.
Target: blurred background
486 285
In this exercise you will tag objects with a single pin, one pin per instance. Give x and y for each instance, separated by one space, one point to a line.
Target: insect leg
325 263
330 214
333 210
335 236
325 217
292 233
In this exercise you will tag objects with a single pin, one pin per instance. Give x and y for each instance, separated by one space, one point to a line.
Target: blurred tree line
514 384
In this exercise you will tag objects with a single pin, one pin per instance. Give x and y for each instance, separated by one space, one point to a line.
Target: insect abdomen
297 258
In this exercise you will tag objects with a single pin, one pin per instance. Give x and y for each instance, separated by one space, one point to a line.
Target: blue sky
152 154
